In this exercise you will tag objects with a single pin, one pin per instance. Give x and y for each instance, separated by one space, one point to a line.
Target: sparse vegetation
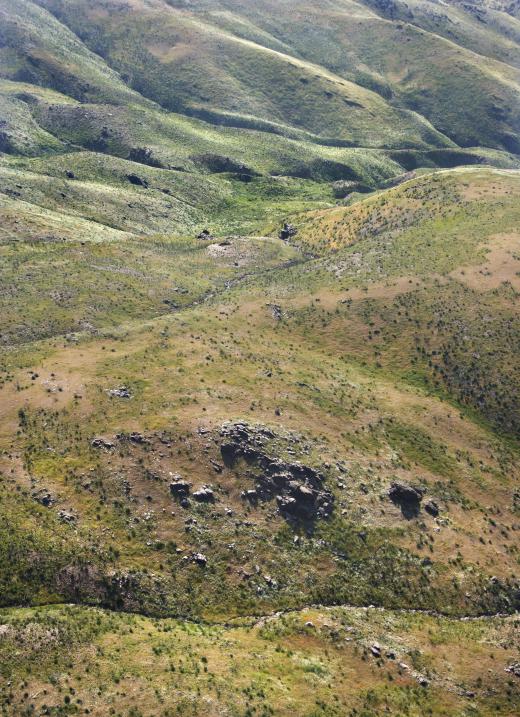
246 471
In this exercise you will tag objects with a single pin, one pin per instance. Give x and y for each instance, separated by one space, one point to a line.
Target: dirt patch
502 264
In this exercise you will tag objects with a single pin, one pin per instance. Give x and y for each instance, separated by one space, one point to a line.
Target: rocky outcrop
407 497
298 489
287 232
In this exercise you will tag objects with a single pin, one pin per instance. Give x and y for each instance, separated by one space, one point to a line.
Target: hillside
242 474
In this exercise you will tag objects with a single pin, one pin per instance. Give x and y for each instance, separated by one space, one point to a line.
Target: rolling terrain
242 474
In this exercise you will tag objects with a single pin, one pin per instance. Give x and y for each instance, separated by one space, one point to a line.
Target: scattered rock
102 443
121 392
375 649
70 175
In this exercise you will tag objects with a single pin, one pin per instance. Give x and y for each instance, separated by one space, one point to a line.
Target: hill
243 474
161 466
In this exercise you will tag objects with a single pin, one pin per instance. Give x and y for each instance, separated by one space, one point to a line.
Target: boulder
432 508
120 392
205 235
66 517
137 180
407 497
199 559
180 488
44 498
287 231
375 649
204 495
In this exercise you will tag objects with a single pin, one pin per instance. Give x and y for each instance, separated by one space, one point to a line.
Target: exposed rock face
407 497
297 488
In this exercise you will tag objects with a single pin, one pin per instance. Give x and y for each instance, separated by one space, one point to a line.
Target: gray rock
121 392
432 508
66 517
204 495
375 649
205 235
287 231
199 559
44 498
102 443
180 488
407 497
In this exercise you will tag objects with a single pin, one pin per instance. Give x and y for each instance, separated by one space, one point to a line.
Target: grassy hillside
311 663
242 475
459 325
267 362
316 342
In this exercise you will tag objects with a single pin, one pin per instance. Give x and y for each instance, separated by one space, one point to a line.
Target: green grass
90 659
